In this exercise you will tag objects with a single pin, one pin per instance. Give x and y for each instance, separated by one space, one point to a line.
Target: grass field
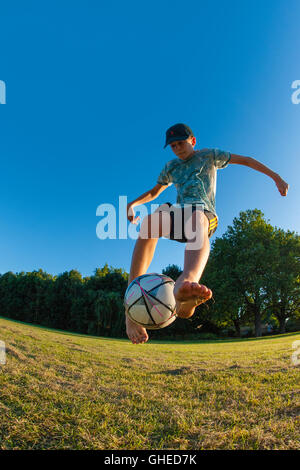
65 391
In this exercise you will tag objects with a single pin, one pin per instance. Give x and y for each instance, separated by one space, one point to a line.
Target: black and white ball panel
150 302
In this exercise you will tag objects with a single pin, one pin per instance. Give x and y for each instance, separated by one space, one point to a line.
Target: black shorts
212 219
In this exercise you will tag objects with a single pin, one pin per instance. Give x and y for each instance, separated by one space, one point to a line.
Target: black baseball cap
178 132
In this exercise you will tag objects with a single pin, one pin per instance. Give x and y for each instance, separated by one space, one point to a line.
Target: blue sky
92 86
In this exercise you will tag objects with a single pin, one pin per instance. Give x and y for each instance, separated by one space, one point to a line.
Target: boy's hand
282 186
130 215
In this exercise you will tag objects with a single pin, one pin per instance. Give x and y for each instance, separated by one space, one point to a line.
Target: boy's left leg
187 291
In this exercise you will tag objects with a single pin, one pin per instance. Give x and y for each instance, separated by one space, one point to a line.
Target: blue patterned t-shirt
196 178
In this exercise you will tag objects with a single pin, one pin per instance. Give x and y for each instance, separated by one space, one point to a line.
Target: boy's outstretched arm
282 186
143 199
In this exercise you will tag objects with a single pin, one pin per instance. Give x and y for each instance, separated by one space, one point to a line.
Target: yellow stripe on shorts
213 223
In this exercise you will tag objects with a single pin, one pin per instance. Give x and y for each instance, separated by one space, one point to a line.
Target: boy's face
183 149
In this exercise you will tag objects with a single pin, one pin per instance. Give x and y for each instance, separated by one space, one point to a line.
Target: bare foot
136 333
188 295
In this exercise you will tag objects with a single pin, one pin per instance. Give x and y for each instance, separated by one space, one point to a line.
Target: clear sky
91 87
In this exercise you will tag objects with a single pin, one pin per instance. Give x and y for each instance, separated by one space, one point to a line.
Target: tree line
253 271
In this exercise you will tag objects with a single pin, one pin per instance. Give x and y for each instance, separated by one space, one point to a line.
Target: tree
64 290
109 279
173 271
10 301
110 317
242 263
282 285
226 308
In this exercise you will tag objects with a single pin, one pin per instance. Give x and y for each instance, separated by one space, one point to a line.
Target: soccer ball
149 301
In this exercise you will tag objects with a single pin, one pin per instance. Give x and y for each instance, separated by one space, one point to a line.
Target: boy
194 174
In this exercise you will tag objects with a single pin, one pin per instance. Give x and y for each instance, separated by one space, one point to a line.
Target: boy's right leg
155 225
188 292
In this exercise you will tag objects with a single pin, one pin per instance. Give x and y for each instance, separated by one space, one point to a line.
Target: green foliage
254 272
173 271
92 305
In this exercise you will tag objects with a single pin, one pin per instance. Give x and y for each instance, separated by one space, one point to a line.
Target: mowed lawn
67 391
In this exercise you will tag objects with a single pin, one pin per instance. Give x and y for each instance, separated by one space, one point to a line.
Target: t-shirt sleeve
221 158
164 177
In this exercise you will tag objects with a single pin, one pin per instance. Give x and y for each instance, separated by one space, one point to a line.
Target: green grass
68 391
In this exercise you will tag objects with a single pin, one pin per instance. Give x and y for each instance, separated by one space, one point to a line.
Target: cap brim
174 139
